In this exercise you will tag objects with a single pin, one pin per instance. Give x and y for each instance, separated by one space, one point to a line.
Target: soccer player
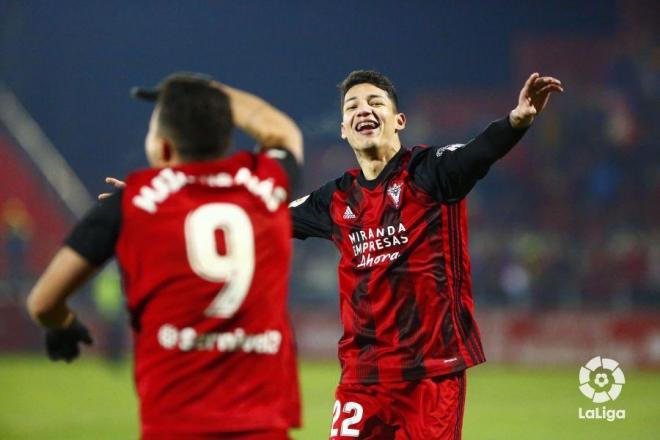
399 222
202 240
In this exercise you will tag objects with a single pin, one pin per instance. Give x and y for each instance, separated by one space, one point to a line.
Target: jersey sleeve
289 164
311 214
450 172
95 235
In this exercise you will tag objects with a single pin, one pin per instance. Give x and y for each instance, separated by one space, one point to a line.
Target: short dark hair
194 113
368 77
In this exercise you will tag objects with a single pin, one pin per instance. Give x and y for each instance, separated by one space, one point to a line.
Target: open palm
533 98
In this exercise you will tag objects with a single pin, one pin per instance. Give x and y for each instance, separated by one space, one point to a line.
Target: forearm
47 302
518 120
268 125
492 144
59 316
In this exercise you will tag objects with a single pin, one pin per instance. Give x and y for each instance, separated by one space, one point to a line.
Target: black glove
63 343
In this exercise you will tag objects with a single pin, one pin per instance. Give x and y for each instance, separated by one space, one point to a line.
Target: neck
373 160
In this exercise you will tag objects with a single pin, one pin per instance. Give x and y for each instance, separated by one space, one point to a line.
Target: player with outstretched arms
202 240
399 222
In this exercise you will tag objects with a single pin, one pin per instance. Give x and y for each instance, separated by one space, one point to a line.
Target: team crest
394 192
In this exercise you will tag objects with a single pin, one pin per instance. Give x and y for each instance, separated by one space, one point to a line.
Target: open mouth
366 126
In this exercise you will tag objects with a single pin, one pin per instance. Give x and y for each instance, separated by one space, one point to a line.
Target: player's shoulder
428 153
233 162
327 190
433 151
419 151
342 183
275 160
142 175
346 181
323 195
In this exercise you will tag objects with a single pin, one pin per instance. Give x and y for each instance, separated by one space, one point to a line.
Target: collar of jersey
384 174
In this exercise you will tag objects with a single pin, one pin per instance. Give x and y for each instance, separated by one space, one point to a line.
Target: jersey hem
163 428
396 375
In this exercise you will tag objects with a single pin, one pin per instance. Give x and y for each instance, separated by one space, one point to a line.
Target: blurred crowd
568 219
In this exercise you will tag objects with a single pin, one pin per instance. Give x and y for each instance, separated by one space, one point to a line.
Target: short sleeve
94 237
289 164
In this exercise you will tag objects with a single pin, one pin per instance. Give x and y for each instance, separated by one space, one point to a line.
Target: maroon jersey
404 273
205 252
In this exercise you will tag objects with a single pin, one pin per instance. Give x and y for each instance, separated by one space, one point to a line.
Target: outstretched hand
114 182
533 98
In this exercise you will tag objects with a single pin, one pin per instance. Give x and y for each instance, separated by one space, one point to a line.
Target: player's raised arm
268 125
271 127
450 172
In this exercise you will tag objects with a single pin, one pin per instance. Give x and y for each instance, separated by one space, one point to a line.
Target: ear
343 131
399 122
166 152
163 155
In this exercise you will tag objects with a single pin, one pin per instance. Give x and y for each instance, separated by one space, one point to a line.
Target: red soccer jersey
205 253
404 275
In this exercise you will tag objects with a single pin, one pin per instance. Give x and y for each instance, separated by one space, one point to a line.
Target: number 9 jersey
205 251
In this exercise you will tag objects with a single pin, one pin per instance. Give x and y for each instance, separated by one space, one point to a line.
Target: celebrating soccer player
203 243
399 222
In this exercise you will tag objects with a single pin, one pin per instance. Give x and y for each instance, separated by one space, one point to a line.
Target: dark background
567 222
72 63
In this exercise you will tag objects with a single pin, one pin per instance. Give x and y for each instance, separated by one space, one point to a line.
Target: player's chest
374 226
386 204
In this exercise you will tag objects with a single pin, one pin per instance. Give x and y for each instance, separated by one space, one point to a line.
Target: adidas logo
348 214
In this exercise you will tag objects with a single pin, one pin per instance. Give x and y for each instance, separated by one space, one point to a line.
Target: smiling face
370 118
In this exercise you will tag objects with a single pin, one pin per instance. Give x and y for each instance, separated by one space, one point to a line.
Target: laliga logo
601 379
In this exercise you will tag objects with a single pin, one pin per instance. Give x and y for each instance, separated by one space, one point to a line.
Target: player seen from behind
202 240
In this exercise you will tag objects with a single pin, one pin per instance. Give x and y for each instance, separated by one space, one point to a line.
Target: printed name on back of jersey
372 246
168 182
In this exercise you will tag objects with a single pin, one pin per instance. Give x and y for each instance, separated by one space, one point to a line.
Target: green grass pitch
89 399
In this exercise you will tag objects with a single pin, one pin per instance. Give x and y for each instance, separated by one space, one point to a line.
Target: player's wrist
520 120
65 323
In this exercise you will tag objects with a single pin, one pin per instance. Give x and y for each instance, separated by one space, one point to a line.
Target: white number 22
346 430
236 267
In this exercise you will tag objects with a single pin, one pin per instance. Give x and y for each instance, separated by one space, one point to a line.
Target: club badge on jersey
395 193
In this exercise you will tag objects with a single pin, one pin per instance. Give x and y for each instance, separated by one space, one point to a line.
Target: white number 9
236 268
